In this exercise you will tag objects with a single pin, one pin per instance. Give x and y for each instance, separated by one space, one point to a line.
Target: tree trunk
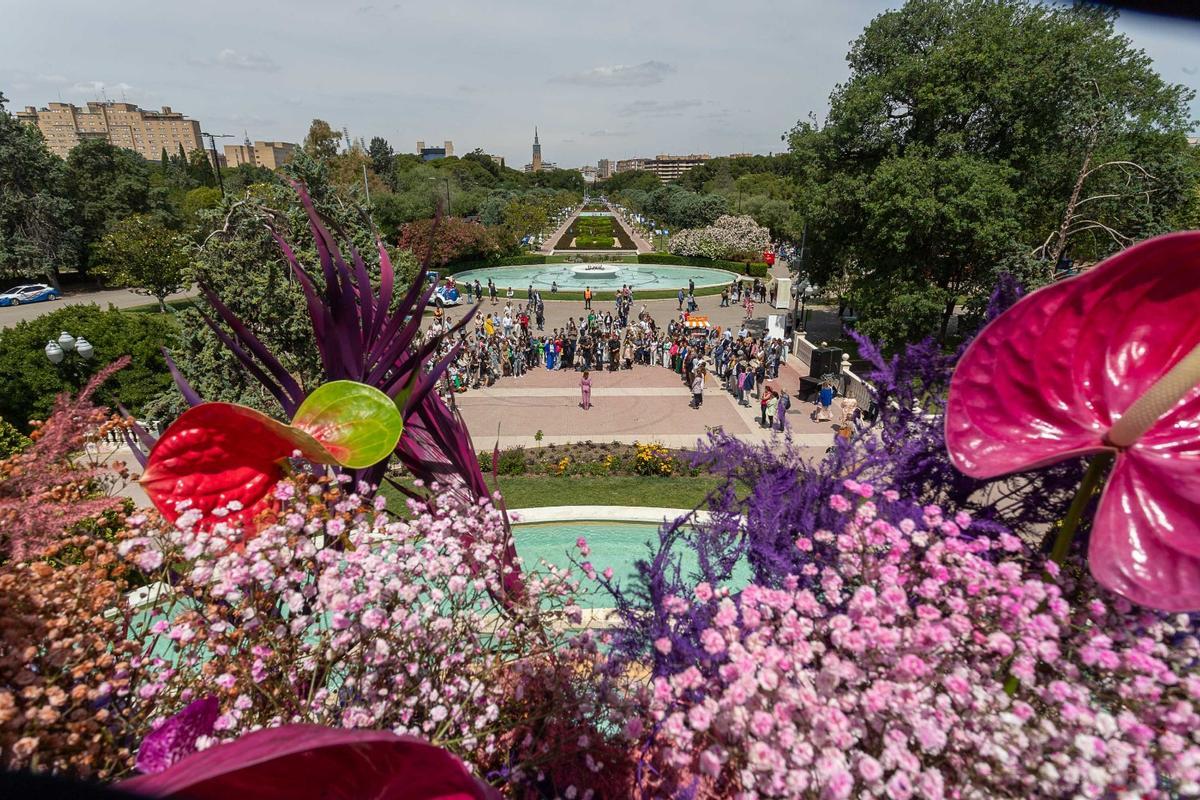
162 304
1060 239
947 315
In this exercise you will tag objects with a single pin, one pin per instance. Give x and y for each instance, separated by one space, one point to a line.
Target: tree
958 141
522 218
38 235
322 140
200 169
451 239
105 184
381 155
140 253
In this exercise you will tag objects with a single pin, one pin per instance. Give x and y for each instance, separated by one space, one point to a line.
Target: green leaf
358 424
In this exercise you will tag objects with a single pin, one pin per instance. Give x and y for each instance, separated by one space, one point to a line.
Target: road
121 298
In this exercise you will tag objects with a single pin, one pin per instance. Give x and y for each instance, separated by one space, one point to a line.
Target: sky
610 79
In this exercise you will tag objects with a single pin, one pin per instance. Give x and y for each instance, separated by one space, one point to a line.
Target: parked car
29 293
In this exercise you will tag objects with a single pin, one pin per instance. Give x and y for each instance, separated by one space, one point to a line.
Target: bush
31 382
653 458
753 269
11 439
512 461
485 461
509 261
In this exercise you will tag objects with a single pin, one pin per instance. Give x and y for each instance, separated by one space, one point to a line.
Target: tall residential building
434 153
271 155
604 169
630 164
147 133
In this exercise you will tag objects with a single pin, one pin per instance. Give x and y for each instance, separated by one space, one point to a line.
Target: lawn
535 491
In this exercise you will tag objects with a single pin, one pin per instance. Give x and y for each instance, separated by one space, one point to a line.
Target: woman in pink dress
585 390
748 304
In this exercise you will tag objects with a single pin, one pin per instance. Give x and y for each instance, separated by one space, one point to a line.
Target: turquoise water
639 276
613 544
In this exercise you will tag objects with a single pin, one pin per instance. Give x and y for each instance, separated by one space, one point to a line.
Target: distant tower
537 152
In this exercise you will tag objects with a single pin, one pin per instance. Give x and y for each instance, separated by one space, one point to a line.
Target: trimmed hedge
753 269
510 261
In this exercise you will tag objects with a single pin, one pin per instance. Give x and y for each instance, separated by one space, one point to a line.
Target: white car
28 293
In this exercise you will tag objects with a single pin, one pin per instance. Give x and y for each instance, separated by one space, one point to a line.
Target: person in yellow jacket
488 326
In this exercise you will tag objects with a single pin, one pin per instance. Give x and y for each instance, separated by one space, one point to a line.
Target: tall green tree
141 253
38 235
381 155
322 140
963 134
105 184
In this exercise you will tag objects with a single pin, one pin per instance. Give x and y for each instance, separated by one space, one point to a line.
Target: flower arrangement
881 672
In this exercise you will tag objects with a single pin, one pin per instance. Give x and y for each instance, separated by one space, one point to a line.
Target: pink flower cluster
340 615
888 677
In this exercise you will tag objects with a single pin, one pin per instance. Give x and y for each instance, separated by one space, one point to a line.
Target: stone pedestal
783 294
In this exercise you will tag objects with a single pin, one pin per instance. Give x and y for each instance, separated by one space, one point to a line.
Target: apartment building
271 155
147 133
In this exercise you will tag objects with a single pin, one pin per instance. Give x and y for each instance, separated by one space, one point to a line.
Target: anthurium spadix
223 459
1104 364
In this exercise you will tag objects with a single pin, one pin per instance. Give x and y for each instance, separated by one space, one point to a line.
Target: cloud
647 73
250 62
657 108
604 133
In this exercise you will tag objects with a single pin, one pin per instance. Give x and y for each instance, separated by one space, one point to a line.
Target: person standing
587 298
492 290
785 402
698 389
691 286
825 399
679 297
585 391
772 407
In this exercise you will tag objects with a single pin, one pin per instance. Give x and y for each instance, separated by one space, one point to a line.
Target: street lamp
58 350
212 143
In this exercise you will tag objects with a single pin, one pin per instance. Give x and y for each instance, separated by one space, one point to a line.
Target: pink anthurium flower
1105 363
303 762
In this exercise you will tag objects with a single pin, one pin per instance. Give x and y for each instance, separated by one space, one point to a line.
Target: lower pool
613 544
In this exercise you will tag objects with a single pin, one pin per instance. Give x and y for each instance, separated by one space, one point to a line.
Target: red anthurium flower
1107 362
216 453
307 762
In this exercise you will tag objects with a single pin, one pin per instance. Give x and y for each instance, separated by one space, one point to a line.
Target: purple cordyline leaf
288 384
317 312
277 391
387 280
136 437
181 383
366 302
177 736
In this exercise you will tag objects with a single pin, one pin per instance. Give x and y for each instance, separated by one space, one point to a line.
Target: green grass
536 491
152 308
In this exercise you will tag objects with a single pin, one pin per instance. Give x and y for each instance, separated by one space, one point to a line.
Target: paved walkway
646 403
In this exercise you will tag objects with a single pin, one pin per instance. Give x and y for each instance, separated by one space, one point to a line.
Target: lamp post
212 143
58 350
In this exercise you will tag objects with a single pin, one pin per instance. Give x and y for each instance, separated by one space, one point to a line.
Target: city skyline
701 77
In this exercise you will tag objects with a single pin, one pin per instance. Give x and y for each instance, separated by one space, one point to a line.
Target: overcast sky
611 79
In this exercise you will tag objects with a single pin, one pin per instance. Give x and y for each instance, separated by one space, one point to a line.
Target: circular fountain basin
596 270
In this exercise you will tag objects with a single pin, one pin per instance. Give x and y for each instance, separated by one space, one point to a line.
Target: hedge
510 261
753 269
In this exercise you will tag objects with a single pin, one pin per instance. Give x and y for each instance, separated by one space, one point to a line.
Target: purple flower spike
177 737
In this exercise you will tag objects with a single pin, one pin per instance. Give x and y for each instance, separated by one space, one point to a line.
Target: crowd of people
513 340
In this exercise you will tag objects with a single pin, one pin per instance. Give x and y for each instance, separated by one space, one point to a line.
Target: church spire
535 141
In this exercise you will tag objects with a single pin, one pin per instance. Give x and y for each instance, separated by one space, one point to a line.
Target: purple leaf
176 737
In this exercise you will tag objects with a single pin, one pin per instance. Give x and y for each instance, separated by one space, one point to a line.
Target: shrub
452 239
31 382
512 461
754 269
730 237
11 440
484 458
652 458
508 261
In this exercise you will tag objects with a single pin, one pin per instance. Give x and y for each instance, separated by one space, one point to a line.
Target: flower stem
1087 487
